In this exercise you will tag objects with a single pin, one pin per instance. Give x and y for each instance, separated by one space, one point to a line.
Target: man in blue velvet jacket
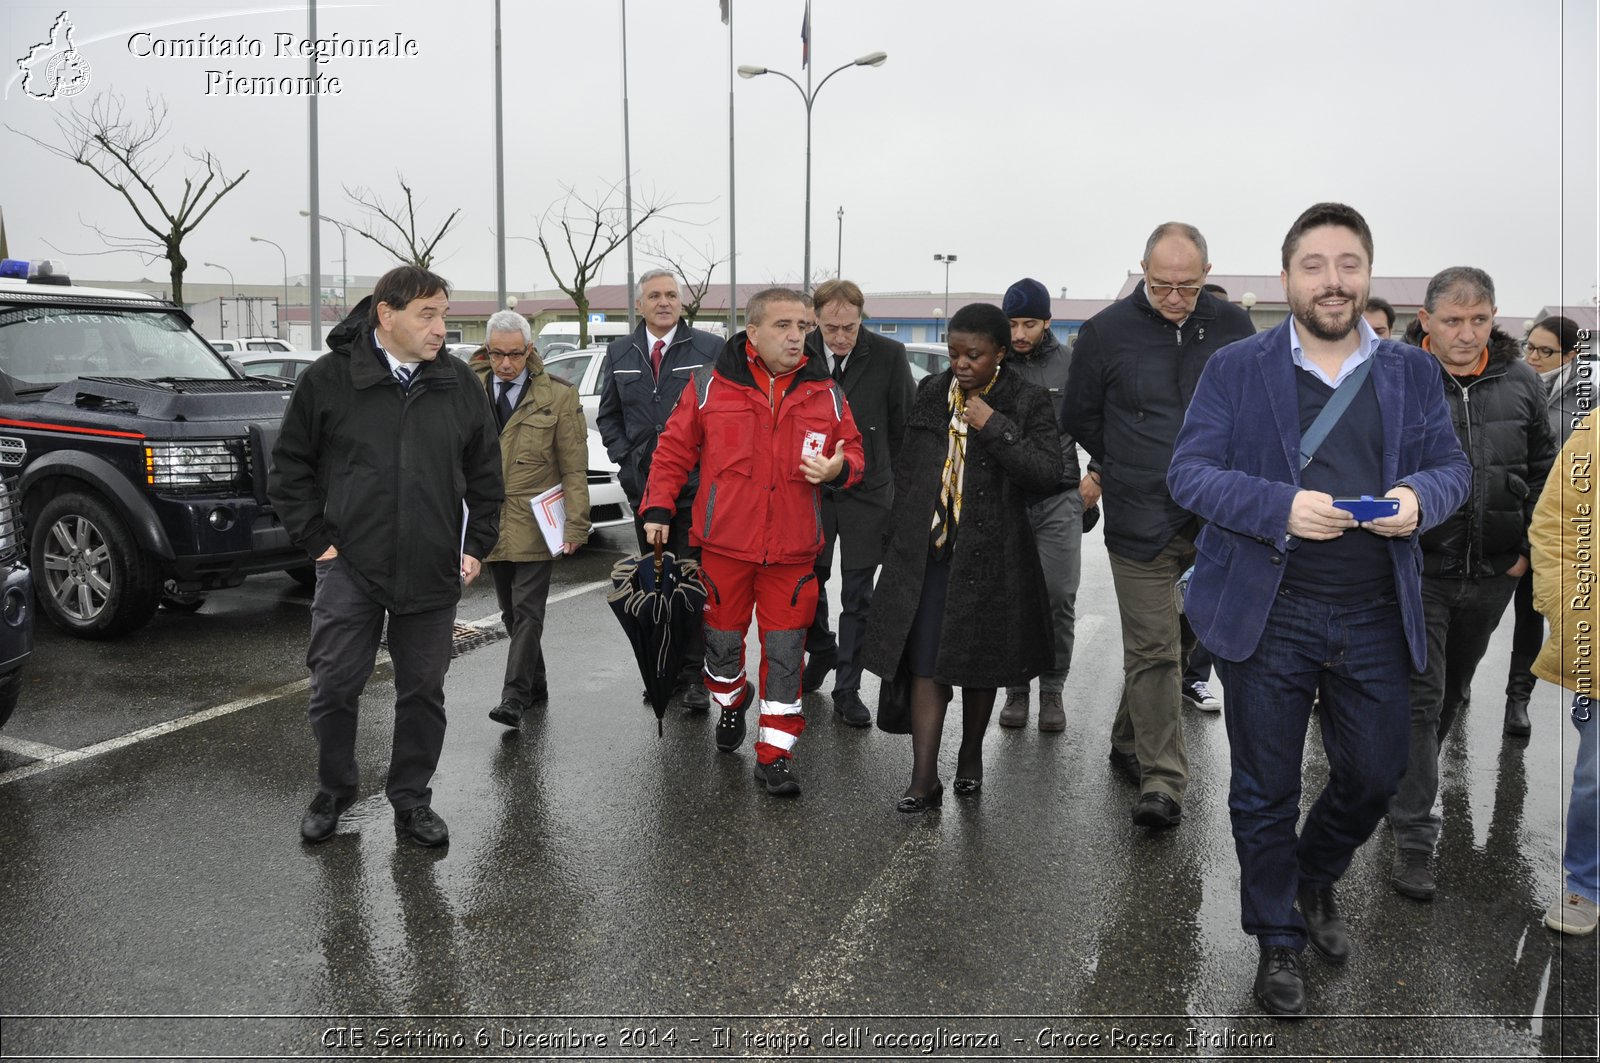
1292 593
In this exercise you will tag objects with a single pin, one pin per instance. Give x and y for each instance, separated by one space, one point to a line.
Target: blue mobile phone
1368 508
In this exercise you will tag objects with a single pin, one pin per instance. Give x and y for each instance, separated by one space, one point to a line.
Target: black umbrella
658 601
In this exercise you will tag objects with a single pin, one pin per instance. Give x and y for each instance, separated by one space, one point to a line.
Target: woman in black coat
961 601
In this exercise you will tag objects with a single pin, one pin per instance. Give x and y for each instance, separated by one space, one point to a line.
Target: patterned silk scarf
952 480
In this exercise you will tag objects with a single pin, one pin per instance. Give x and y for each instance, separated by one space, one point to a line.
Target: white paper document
550 510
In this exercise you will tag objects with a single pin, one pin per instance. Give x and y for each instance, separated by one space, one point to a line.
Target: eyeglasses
501 356
1542 352
1188 291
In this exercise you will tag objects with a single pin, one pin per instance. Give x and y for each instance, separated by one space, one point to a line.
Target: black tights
929 699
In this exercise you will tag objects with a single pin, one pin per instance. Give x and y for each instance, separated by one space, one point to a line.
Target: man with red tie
644 373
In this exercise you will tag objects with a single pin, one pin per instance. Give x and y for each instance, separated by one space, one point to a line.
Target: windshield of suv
48 345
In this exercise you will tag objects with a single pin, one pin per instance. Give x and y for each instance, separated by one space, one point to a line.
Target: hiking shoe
1199 696
1572 913
1412 874
1015 711
730 725
1052 714
779 777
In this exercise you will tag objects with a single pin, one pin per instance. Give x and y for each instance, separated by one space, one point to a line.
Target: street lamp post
231 282
222 325
1248 301
284 308
838 268
872 59
344 259
946 259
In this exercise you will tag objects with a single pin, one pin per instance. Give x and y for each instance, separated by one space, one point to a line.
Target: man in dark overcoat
877 383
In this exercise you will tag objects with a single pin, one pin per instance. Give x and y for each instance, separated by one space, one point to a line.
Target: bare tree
590 229
405 243
126 154
694 267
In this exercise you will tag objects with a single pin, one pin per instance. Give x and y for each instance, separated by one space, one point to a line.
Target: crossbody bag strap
1338 402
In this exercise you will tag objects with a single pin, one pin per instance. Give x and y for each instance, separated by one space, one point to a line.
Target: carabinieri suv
142 454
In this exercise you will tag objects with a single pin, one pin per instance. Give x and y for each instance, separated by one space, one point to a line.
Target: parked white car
250 343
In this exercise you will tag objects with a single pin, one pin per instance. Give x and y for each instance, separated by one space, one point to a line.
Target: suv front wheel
92 579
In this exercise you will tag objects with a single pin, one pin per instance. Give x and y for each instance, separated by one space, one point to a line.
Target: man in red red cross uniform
769 430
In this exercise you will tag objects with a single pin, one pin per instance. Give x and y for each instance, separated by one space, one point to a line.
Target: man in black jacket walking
1134 370
643 375
1057 516
876 379
1471 562
387 473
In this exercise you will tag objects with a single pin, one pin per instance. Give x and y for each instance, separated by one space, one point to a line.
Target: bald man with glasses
1134 369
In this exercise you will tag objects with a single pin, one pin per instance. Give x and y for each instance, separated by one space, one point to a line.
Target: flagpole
627 163
733 259
805 281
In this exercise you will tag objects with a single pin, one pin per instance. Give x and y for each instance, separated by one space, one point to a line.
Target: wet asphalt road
611 894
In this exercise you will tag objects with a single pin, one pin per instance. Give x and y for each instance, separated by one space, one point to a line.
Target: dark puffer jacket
1501 423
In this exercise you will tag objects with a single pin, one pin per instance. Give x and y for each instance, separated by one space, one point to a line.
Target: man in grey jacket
1057 517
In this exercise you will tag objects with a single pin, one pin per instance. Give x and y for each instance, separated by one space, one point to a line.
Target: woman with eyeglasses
961 601
1565 362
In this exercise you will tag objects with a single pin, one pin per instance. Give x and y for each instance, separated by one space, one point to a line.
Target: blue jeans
1357 654
1583 811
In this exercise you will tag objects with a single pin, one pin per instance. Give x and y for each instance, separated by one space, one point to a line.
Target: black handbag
894 701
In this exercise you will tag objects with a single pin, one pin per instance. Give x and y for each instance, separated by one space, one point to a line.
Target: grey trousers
1461 615
1058 530
523 589
346 625
1149 719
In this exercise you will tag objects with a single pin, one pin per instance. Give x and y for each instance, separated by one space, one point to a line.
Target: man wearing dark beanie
1057 515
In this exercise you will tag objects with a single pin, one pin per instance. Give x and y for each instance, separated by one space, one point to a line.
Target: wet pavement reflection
603 882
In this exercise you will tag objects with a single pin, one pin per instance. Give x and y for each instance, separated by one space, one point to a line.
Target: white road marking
25 748
52 758
828 979
72 756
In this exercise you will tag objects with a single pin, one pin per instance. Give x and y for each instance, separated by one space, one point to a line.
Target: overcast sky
1026 137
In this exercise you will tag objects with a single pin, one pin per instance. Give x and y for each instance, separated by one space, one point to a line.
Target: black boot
1519 689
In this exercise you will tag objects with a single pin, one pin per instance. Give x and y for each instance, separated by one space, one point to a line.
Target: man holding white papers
543 444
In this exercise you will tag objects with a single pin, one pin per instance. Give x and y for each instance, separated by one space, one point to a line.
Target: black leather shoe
730 725
1324 925
967 787
1517 723
322 818
1280 987
1127 765
1156 810
779 777
818 665
508 713
849 707
696 698
421 825
913 805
